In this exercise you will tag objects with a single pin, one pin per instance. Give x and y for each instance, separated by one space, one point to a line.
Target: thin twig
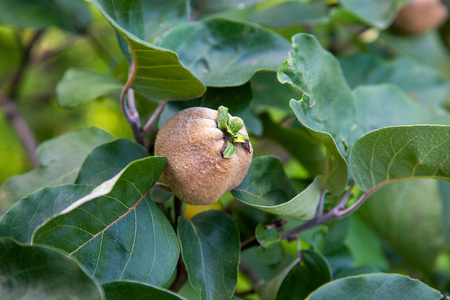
130 113
319 212
154 116
338 212
21 128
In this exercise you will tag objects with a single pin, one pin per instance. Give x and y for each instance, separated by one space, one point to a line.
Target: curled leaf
236 125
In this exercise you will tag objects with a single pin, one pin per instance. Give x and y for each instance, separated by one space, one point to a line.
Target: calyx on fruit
419 16
208 153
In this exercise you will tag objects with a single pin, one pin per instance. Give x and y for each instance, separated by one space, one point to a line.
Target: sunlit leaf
405 152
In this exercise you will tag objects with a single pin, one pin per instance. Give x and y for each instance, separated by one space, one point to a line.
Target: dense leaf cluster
341 108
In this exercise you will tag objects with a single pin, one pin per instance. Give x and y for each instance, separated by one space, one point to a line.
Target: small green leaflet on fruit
231 133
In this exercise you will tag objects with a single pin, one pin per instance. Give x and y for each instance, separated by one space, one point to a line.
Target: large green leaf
376 286
405 152
60 160
31 272
420 81
31 212
327 107
80 86
105 161
377 13
222 52
200 7
334 114
67 14
396 208
267 188
210 249
117 232
158 72
131 290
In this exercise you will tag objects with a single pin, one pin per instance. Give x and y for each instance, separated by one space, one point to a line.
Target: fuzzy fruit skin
196 171
419 16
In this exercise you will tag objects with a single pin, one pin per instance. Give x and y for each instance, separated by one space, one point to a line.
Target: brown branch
154 116
21 128
338 212
8 102
16 79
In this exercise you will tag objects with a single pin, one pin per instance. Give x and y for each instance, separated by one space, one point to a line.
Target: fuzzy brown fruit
196 171
419 16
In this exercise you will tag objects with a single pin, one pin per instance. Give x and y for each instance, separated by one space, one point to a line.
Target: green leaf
421 82
298 142
237 99
211 7
397 153
364 245
80 86
128 290
158 72
236 125
326 112
334 115
376 286
265 236
286 13
311 273
210 249
229 150
298 279
267 188
396 208
105 161
31 212
374 12
223 52
118 210
223 118
239 138
271 254
60 160
32 272
66 14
